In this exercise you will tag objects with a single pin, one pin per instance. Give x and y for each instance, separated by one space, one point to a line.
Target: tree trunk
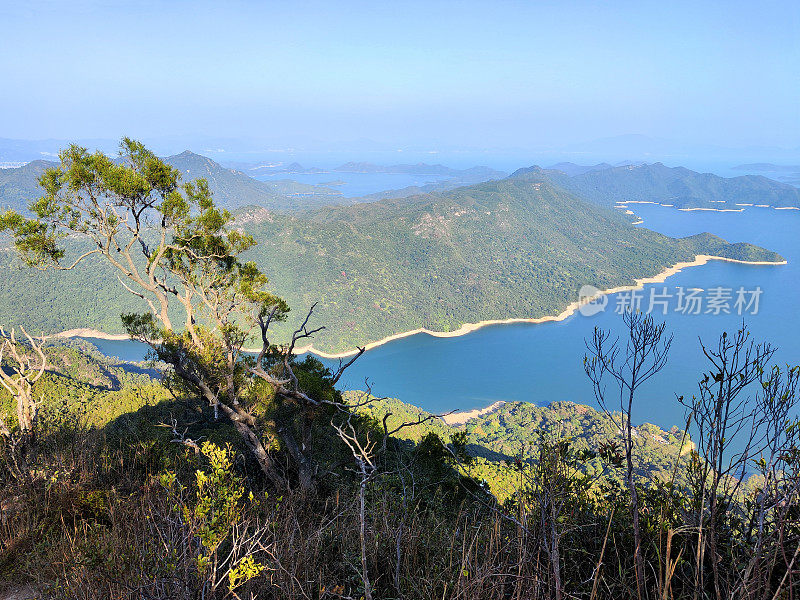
306 468
555 559
363 537
638 559
26 412
253 442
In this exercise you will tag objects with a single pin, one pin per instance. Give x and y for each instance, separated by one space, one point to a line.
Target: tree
177 251
366 453
746 420
645 354
26 365
554 485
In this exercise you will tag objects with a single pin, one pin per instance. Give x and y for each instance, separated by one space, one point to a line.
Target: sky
457 74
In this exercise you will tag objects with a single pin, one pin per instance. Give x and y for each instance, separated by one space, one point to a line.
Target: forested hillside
233 189
677 186
81 384
502 249
20 186
511 432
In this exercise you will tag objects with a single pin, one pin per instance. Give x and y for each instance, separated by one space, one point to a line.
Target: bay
543 363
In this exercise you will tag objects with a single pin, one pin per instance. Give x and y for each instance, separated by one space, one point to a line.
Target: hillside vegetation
232 189
502 249
20 186
124 398
526 501
677 186
510 433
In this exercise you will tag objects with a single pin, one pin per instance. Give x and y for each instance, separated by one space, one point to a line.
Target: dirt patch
19 593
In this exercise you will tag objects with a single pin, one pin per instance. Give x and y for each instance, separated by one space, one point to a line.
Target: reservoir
543 363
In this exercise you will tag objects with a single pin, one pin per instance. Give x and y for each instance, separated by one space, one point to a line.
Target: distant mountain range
784 173
473 174
602 183
677 186
234 189
484 173
231 188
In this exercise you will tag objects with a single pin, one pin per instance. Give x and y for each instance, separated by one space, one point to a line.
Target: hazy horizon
502 78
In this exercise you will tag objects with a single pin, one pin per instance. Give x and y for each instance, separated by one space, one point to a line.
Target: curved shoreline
700 259
85 332
461 417
712 209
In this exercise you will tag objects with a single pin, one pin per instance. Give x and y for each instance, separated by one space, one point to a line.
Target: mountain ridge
678 186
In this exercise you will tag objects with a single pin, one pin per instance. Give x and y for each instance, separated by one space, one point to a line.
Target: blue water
542 363
353 185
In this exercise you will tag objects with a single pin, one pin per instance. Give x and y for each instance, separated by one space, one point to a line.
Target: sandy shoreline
90 333
459 418
700 259
713 209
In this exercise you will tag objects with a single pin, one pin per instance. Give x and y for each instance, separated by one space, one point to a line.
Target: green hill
19 186
512 248
231 188
234 189
512 431
678 186
496 250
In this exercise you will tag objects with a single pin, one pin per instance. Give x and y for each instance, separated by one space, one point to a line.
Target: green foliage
246 570
491 447
215 512
496 250
216 505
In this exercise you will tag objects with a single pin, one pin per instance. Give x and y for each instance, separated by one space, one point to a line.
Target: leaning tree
172 247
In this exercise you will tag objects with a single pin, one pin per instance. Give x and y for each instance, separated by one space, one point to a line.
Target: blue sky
472 74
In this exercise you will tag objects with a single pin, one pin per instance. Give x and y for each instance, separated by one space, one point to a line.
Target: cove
543 363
